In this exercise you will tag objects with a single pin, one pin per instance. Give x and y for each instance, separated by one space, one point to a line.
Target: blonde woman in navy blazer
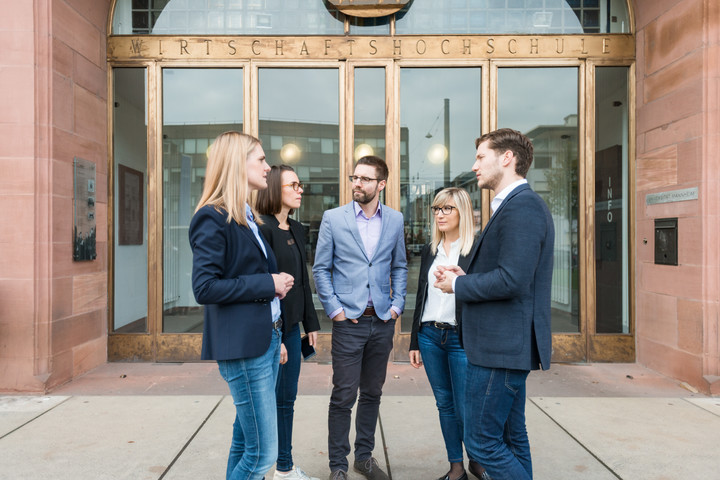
235 276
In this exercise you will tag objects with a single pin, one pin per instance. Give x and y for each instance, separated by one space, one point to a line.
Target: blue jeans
495 433
253 450
446 365
286 392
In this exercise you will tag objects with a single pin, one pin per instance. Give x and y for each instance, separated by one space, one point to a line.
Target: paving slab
642 438
108 437
16 411
712 405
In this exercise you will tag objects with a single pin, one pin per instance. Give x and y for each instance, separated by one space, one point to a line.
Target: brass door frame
589 51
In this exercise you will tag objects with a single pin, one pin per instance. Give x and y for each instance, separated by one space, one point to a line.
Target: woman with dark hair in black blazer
236 277
287 239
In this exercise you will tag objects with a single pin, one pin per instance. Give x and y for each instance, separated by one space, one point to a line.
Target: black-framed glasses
446 210
295 185
362 180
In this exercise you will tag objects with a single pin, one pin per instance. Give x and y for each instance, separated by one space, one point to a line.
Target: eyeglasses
362 180
295 185
446 210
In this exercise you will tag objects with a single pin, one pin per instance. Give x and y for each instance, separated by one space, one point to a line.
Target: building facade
109 107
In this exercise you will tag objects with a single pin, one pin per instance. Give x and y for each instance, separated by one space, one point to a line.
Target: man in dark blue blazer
505 299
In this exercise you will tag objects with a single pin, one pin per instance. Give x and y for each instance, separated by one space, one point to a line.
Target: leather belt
277 324
441 325
369 311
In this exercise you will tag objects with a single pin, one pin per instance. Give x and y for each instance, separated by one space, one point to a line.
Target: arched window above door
319 17
424 17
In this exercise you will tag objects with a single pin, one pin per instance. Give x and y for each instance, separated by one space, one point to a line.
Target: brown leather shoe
477 470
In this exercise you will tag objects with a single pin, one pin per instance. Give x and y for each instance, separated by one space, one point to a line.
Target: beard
490 180
362 197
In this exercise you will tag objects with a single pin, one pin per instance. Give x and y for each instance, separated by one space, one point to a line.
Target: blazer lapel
352 226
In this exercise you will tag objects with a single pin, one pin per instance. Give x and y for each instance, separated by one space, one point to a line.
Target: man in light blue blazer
505 299
360 275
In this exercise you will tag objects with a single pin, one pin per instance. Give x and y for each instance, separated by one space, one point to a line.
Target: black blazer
232 277
426 260
271 230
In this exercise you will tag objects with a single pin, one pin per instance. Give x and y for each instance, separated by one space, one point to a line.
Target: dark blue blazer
506 292
232 277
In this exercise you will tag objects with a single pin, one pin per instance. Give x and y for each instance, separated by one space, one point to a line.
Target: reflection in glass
189 127
243 17
513 17
431 108
611 200
369 130
543 104
299 125
130 306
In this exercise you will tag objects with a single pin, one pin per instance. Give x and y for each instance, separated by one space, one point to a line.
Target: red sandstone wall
53 315
677 147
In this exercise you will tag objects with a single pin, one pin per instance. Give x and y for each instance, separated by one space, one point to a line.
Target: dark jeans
286 392
360 354
495 433
446 366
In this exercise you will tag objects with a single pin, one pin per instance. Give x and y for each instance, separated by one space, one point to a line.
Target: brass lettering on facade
340 47
443 45
534 44
136 46
421 47
490 45
373 50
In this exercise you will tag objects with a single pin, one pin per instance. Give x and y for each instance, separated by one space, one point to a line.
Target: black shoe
338 475
461 477
370 469
478 471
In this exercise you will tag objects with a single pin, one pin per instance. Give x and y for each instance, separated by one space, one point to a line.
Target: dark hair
504 139
381 168
269 200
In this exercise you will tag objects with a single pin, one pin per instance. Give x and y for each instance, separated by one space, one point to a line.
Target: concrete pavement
173 421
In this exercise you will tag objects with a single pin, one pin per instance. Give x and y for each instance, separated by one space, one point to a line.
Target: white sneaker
294 474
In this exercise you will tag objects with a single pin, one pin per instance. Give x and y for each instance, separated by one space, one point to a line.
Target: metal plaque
672 196
84 210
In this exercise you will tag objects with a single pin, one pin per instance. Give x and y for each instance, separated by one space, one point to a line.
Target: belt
369 311
277 324
441 325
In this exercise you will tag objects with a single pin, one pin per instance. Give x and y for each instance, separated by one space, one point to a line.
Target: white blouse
439 306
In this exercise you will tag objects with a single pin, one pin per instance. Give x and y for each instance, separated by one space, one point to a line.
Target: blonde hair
467 219
226 182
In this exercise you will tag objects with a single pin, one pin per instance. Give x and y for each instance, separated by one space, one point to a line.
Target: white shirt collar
504 193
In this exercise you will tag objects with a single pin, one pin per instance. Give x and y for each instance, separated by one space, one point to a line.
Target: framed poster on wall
130 206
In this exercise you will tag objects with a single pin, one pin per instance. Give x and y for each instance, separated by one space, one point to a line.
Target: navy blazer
426 260
232 277
506 292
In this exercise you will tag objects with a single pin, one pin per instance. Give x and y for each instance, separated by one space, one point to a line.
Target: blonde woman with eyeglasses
435 342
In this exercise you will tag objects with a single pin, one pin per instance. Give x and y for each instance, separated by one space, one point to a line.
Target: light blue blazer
344 275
